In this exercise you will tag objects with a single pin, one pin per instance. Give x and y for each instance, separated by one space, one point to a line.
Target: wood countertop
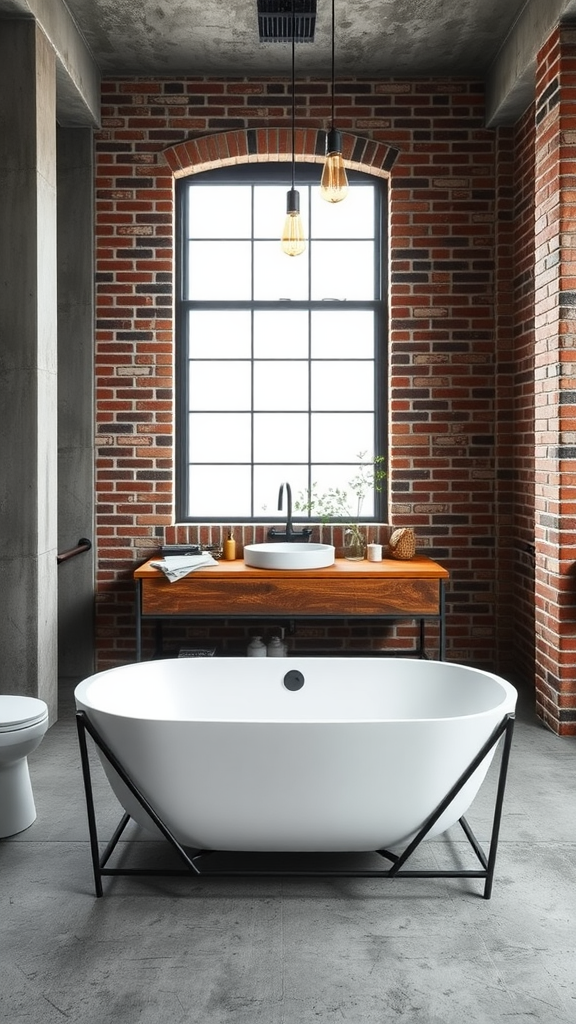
411 587
418 568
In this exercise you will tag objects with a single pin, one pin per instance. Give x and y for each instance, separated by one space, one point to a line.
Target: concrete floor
294 951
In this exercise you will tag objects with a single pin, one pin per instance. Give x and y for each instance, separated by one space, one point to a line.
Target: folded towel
175 567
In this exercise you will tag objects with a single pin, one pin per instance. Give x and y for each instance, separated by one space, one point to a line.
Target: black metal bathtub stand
192 859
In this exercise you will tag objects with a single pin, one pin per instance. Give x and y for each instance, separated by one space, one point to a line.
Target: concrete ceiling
220 37
496 40
216 37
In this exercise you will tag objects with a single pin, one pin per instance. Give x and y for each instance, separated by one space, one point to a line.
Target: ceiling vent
275 21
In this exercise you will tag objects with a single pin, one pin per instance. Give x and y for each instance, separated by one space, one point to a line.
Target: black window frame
277 173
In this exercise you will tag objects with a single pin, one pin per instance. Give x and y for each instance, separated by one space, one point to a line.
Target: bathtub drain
294 680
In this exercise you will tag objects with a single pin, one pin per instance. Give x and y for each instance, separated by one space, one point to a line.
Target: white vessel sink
289 556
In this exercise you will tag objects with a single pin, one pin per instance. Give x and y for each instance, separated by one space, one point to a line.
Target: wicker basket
402 543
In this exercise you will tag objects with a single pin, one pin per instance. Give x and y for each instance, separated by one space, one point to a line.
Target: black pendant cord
333 62
293 97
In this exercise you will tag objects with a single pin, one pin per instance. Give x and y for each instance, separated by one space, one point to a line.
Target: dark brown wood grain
385 588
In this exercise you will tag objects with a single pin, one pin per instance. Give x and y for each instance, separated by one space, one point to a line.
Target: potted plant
345 504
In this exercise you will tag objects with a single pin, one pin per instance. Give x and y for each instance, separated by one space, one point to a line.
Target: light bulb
293 240
334 183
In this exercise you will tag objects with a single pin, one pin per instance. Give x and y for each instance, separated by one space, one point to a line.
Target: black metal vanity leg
138 613
422 651
442 641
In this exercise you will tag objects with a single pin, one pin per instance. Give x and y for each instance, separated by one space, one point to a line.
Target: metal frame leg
99 863
92 827
506 727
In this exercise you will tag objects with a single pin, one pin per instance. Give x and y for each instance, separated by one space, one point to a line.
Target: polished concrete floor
293 951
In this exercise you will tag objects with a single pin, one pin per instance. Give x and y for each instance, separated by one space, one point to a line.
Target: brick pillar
555 383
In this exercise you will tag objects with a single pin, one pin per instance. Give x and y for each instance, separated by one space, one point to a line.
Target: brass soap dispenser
229 548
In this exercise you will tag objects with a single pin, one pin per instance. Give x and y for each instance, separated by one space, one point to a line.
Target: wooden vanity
388 590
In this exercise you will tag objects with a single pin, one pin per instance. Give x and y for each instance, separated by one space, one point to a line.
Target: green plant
345 504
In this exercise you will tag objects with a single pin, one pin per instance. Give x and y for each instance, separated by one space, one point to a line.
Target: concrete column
75 400
28 364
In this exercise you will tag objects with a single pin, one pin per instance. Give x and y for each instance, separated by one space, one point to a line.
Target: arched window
281 363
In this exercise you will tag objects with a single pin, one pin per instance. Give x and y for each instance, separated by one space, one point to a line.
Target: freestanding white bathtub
356 759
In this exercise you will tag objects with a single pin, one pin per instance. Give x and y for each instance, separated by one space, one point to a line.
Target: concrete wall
28 363
75 400
46 384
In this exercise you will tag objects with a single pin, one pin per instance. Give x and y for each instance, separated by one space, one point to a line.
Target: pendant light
334 183
293 241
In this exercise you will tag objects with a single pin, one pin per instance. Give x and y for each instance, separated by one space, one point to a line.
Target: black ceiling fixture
277 23
293 241
334 184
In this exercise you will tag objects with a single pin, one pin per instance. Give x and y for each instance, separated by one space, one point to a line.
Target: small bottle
256 648
230 548
276 648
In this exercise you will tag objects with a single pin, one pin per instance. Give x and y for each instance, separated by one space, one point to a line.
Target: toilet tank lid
18 712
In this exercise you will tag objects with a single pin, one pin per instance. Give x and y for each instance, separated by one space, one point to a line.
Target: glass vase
354 544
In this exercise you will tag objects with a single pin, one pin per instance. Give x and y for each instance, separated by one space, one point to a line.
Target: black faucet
289 534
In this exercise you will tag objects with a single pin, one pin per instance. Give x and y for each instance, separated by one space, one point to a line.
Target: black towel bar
83 545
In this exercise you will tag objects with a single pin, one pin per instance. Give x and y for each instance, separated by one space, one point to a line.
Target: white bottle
276 648
256 648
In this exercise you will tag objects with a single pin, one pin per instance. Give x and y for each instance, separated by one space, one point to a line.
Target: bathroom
480 396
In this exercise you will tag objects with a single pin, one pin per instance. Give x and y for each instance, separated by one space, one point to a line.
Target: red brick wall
555 381
451 381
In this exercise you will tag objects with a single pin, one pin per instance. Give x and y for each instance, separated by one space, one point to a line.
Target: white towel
175 567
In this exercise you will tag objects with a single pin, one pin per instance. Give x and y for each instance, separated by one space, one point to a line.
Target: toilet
23 722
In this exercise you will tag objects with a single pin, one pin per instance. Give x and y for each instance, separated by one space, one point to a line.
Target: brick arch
274 144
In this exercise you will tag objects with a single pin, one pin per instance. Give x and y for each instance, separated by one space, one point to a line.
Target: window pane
220 211
342 270
267 480
220 437
280 437
220 492
281 334
281 385
338 437
278 276
339 333
219 270
354 218
327 478
343 385
219 334
220 385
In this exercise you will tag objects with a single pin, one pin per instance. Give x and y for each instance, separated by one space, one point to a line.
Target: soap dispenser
256 648
230 548
276 648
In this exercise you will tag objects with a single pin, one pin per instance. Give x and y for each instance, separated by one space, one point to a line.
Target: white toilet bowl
23 722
